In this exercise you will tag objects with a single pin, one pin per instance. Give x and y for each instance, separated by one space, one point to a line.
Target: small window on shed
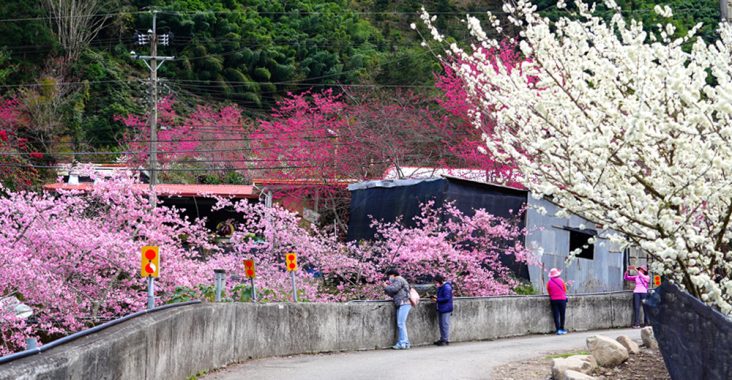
579 239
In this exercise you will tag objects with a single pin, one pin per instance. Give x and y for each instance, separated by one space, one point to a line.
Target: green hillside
249 52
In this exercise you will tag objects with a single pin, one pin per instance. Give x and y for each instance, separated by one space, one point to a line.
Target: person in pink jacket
639 293
557 290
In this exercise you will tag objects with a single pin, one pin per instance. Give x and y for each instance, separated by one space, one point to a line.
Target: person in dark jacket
444 308
398 289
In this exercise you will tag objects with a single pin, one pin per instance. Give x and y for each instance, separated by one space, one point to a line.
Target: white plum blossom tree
621 126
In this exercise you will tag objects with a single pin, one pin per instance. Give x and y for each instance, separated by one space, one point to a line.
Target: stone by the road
606 351
629 344
574 375
649 340
578 363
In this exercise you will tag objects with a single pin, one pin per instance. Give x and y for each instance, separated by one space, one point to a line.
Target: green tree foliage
28 41
255 50
108 93
687 13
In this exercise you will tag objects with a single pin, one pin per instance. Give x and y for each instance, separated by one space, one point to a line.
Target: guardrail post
150 292
31 343
220 278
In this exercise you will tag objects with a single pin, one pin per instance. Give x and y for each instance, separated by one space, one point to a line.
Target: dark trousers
637 299
558 309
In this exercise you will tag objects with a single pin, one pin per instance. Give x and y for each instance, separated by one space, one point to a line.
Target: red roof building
174 190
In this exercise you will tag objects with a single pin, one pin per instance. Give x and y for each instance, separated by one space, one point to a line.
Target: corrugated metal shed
549 236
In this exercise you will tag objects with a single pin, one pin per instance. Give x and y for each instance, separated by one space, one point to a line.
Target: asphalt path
470 360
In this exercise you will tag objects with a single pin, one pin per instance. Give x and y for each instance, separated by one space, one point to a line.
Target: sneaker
397 347
442 343
437 343
564 332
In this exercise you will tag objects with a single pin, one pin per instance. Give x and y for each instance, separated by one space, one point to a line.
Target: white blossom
625 130
663 11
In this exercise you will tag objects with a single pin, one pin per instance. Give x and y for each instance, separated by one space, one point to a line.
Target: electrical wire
295 12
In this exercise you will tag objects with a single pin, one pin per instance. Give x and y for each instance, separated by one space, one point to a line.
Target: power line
169 169
246 12
255 168
301 83
496 11
48 18
193 151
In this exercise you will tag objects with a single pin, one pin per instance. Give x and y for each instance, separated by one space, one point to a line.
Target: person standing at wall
557 290
642 279
444 308
398 289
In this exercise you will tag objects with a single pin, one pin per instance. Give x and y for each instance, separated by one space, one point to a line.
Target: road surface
471 360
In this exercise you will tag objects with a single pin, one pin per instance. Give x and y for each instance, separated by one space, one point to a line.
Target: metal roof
172 190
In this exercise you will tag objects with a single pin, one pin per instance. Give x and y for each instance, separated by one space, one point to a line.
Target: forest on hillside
68 81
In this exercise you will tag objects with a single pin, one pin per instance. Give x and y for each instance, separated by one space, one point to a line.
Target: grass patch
525 289
566 355
197 375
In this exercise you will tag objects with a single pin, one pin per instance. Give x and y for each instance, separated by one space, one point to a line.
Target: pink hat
643 268
554 272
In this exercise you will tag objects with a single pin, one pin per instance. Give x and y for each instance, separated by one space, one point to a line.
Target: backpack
413 297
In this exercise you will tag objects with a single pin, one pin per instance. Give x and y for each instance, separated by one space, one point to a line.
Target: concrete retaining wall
177 343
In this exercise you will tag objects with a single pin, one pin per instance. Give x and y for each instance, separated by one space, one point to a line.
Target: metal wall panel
551 245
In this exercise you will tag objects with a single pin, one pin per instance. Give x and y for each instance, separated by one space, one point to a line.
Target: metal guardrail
77 335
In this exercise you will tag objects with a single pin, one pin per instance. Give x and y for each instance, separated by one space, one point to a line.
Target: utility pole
151 61
724 10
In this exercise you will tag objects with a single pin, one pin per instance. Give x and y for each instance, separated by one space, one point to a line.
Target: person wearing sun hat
557 290
642 279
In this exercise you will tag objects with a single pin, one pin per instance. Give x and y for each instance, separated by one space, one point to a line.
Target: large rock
629 344
574 375
578 363
606 351
649 340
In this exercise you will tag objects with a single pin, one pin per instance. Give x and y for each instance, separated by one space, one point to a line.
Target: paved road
474 360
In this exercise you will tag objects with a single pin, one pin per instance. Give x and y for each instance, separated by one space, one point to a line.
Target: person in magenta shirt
557 290
642 279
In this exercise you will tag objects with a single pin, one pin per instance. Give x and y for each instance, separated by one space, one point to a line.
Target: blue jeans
445 326
402 313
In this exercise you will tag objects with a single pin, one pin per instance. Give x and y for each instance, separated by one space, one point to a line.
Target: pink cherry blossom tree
469 126
329 139
465 249
16 171
206 138
76 259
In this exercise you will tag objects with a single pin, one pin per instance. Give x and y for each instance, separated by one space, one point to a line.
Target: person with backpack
642 279
444 308
557 290
398 289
